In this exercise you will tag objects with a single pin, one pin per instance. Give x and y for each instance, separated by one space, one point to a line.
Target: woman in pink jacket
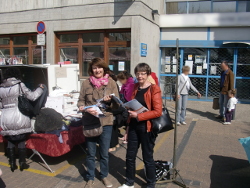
126 92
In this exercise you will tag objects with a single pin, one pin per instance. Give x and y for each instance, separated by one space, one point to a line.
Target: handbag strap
20 88
184 85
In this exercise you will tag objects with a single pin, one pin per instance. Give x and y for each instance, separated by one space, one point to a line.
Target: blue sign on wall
144 49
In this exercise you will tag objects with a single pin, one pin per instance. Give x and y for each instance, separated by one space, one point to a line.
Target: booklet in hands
136 106
98 114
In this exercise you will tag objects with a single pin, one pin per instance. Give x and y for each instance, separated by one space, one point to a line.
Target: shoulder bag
91 125
175 95
24 104
163 123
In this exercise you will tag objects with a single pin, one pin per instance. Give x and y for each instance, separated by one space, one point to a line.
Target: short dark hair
12 72
112 75
124 75
99 62
225 62
143 67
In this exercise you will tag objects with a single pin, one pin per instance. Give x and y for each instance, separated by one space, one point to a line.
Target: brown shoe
89 184
106 182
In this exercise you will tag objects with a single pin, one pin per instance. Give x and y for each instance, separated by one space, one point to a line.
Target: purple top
127 89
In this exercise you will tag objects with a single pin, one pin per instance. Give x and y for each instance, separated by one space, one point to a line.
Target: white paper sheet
167 60
167 68
204 65
190 57
199 70
174 69
213 70
190 64
121 65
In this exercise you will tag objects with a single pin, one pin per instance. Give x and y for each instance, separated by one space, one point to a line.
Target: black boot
22 159
12 158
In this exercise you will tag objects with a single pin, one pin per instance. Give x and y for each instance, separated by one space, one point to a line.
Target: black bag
91 125
163 123
24 104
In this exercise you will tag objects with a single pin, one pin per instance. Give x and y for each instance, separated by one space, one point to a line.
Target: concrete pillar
50 43
145 31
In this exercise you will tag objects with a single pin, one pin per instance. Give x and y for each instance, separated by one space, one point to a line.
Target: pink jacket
127 89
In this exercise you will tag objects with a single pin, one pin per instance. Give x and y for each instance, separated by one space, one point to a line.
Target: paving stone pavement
208 155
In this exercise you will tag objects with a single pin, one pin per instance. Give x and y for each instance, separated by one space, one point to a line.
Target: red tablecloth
49 144
1 138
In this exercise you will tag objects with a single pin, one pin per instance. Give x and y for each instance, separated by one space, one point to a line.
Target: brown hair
124 75
99 62
225 62
143 67
112 75
232 91
185 69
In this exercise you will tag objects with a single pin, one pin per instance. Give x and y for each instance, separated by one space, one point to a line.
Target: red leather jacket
154 104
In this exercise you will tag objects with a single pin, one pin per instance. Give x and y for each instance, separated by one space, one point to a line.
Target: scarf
98 82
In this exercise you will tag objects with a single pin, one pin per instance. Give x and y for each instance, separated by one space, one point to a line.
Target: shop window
199 7
196 58
21 52
243 6
36 52
4 40
243 62
213 87
119 37
89 53
168 65
68 38
176 7
92 37
69 54
34 39
119 59
226 6
19 40
243 89
217 55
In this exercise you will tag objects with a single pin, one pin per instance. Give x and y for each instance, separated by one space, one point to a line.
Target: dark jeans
137 136
229 115
104 142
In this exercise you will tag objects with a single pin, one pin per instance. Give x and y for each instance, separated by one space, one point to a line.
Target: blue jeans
104 142
182 105
223 104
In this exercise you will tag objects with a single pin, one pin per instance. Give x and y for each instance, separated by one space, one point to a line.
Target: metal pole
176 107
42 54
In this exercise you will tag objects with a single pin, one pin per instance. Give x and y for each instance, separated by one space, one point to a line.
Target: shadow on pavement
207 114
229 172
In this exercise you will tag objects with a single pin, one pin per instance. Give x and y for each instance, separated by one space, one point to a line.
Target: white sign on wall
41 39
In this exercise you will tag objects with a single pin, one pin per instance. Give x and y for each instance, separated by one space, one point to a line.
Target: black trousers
137 136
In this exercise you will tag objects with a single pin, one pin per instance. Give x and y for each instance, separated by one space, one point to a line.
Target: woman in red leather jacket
149 95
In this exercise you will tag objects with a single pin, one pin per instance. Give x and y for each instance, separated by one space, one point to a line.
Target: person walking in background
15 126
98 86
127 89
226 84
230 106
140 127
184 85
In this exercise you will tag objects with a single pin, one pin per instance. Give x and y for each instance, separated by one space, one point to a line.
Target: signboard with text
144 49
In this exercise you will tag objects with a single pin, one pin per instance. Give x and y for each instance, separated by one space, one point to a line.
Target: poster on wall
167 69
167 60
190 57
121 65
199 70
213 70
174 69
190 64
174 60
200 58
204 65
